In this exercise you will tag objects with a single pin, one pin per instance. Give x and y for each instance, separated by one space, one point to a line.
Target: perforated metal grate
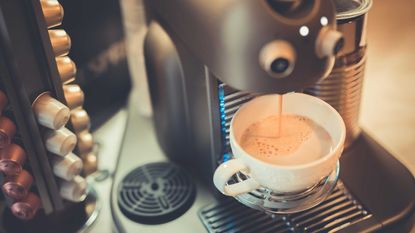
338 211
156 193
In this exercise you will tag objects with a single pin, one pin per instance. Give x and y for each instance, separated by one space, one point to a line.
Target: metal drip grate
156 193
338 211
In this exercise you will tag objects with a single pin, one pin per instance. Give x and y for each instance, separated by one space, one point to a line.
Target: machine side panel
165 78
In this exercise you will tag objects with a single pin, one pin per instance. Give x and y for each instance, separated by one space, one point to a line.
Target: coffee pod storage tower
52 129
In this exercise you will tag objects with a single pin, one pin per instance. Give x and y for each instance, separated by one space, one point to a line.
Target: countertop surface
388 105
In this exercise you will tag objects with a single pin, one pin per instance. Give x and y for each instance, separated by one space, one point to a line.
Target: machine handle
225 171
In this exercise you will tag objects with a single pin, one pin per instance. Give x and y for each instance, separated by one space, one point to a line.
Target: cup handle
225 171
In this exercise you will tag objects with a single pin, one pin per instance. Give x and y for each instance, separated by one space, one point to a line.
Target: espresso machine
204 59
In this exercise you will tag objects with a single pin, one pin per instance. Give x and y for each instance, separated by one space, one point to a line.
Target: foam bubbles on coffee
299 141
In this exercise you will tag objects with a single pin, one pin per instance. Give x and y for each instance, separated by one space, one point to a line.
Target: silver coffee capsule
85 143
60 142
80 120
61 42
53 12
26 208
75 190
67 167
74 96
50 112
66 69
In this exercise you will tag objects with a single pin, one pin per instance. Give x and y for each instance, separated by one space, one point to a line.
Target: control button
278 58
329 42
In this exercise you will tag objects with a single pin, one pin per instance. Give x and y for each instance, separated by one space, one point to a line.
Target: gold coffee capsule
26 208
61 42
60 142
17 187
90 163
85 143
74 96
66 69
50 112
53 12
7 131
12 159
80 120
3 101
75 190
67 167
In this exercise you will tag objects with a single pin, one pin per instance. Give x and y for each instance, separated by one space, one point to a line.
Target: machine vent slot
229 101
339 211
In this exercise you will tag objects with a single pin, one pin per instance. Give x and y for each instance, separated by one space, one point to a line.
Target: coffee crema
297 140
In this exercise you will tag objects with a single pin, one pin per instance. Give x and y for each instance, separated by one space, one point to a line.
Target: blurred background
387 110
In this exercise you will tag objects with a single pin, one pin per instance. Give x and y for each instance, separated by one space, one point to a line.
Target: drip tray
339 210
156 193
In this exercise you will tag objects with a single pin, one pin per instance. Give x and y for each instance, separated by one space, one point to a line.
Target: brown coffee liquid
279 113
297 140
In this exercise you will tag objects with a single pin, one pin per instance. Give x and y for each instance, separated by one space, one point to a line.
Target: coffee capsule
53 12
60 142
61 42
7 131
67 167
66 69
74 96
17 187
90 163
12 159
26 208
75 190
80 120
50 112
3 101
85 142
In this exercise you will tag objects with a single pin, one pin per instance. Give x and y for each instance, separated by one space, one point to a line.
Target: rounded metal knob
278 58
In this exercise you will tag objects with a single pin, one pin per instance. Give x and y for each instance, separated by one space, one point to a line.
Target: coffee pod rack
44 132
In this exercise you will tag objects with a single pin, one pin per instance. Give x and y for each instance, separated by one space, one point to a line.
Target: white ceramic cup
279 178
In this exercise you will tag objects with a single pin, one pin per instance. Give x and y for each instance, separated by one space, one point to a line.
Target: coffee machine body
205 58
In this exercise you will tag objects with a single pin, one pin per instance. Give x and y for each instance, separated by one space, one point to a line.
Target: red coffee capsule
7 131
3 101
12 159
17 187
26 208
